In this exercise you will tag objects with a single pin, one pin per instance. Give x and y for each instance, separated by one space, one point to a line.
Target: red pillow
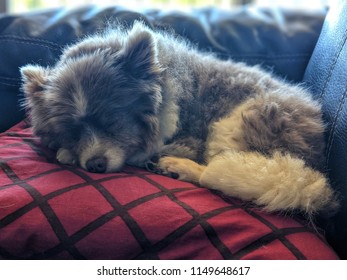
51 211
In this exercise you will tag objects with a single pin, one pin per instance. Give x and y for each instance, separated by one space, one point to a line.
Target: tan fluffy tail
279 183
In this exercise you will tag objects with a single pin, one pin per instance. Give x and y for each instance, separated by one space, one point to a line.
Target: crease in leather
342 43
334 125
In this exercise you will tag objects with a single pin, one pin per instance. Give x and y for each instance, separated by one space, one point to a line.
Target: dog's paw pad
174 175
153 167
150 166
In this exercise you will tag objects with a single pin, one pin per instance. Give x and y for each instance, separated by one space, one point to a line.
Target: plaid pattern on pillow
51 211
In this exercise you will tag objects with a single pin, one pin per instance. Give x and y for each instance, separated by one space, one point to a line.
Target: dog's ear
34 79
139 55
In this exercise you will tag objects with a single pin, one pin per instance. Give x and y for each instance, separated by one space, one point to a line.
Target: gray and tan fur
126 96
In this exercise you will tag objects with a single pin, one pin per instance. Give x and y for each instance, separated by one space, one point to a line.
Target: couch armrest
326 76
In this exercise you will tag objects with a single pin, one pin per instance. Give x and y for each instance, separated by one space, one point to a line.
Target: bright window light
26 5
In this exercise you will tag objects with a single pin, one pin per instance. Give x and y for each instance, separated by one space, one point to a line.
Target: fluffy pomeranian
128 96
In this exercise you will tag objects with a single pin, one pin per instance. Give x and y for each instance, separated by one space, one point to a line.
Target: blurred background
17 6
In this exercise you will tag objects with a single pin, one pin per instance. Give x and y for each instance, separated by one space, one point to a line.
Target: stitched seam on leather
14 82
7 84
332 66
8 78
31 43
29 38
333 127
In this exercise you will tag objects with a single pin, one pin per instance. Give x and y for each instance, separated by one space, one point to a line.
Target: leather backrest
278 39
326 77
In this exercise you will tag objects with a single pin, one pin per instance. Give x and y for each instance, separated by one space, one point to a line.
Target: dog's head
100 101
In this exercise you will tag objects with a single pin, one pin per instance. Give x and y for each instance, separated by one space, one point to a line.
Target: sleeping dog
128 96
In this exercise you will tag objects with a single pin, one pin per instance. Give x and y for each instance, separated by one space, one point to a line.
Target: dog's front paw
64 156
181 168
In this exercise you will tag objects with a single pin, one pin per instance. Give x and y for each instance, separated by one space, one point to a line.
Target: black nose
97 165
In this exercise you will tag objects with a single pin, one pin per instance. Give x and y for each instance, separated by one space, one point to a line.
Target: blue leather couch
301 46
326 77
